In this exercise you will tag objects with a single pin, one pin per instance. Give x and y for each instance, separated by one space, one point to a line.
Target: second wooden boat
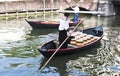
47 24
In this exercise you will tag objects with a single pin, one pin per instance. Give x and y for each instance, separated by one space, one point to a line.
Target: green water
19 55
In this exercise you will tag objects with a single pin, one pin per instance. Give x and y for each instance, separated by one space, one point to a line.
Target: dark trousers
62 37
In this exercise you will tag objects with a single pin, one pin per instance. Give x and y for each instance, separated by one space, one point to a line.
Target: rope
58 48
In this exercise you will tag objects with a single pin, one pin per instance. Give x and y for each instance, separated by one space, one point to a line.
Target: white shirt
76 9
64 24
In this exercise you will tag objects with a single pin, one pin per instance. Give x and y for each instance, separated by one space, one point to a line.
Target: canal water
19 55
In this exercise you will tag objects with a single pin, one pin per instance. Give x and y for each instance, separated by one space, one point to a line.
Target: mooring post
44 5
17 14
6 13
26 8
36 13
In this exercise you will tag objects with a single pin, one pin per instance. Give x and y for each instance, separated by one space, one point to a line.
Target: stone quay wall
39 5
31 5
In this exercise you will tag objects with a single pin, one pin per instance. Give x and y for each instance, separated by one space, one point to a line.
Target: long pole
68 4
59 47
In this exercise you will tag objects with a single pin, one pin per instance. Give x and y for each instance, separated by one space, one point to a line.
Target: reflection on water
36 32
14 35
12 30
92 64
104 63
19 55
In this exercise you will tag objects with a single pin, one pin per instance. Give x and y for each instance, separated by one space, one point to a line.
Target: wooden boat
46 24
50 47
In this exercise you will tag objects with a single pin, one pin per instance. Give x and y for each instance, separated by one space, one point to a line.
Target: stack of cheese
81 39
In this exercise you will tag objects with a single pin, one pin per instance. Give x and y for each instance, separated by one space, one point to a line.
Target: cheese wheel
73 42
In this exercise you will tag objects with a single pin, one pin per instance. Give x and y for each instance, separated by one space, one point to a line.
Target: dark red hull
45 24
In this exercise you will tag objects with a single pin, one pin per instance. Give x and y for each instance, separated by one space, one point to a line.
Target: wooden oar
68 4
59 47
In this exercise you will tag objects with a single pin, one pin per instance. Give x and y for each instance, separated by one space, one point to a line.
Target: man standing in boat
76 9
63 28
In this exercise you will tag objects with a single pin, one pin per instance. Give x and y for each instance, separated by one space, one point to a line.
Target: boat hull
42 24
49 48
